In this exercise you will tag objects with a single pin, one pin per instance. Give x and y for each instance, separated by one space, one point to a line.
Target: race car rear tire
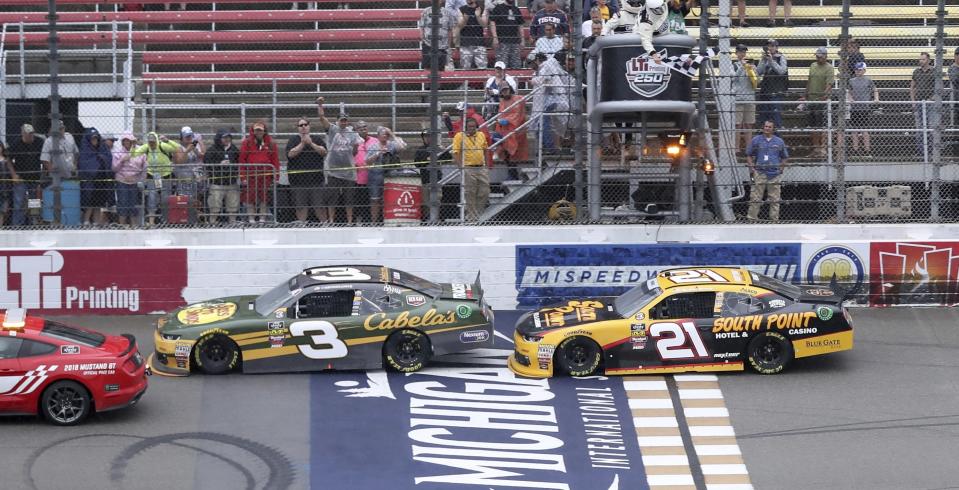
65 403
215 354
578 356
406 350
769 352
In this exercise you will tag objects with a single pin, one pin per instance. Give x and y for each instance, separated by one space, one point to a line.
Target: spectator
506 27
854 56
553 97
537 5
549 44
256 152
676 17
6 170
447 23
305 154
766 156
954 83
550 14
512 115
96 176
381 156
787 11
469 112
130 173
469 150
863 94
607 9
818 89
494 85
473 20
652 23
595 31
774 70
422 160
159 155
59 160
342 145
188 167
594 16
222 163
741 9
359 161
921 90
745 81
24 154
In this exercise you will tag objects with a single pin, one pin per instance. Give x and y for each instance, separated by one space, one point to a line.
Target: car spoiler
475 292
478 288
133 343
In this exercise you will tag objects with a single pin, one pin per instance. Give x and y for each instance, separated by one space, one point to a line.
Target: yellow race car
688 319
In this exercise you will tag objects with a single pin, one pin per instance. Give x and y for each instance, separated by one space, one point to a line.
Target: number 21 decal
695 275
672 339
323 337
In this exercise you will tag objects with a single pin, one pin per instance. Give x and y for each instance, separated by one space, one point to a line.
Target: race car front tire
769 352
406 350
215 354
578 356
65 403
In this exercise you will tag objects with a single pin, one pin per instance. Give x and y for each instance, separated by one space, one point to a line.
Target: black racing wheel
216 354
770 352
406 350
65 403
578 356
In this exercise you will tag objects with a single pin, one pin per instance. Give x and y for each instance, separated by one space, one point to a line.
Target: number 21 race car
350 317
65 373
690 319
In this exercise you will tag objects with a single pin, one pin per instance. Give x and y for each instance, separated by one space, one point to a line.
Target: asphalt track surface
883 416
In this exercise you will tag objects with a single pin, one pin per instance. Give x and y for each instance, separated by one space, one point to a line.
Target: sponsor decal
203 313
752 323
391 289
544 352
276 331
836 264
182 350
819 292
726 355
575 310
415 299
280 312
464 311
638 335
777 303
75 281
924 273
381 321
357 303
646 77
91 369
824 313
110 388
474 336
396 276
549 273
462 291
802 331
69 349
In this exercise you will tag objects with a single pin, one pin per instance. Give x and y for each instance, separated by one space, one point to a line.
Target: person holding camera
745 81
381 156
774 70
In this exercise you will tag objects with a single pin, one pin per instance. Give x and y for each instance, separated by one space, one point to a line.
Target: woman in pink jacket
129 172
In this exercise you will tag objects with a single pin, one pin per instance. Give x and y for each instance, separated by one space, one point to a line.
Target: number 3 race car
66 373
352 317
703 319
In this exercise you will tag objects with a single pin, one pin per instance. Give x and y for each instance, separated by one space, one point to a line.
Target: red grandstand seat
224 37
222 16
43 3
276 57
309 77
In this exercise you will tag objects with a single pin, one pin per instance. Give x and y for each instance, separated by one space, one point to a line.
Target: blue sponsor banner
547 274
467 422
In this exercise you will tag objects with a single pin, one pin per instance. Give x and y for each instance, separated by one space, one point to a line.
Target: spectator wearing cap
159 152
359 161
342 146
96 176
59 155
221 161
954 83
745 81
549 14
773 70
506 27
188 166
787 11
921 91
383 155
819 89
259 162
23 156
494 85
447 22
305 153
853 55
470 27
549 44
130 174
864 95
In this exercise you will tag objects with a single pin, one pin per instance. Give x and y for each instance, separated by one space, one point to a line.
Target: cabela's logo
646 77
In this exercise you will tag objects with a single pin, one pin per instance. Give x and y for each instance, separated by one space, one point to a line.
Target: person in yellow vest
159 153
469 150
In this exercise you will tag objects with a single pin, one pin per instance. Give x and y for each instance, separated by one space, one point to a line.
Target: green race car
343 317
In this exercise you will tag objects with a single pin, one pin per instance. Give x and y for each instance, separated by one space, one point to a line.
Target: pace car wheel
406 350
770 352
215 354
65 403
578 356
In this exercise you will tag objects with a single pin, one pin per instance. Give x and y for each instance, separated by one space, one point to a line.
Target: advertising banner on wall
77 282
919 273
555 273
845 266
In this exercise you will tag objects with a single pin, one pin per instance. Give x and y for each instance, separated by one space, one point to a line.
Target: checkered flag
687 64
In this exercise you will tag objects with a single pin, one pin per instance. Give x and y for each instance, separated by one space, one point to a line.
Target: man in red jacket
256 178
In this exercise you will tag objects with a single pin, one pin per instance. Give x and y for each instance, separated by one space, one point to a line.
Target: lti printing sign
921 273
93 281
548 274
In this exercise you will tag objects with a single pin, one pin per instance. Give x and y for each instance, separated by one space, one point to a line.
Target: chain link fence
872 143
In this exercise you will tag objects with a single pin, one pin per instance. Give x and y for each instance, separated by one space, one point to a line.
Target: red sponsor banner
112 282
914 273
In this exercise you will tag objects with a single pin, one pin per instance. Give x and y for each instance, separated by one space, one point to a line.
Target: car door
37 364
679 329
740 317
313 323
11 374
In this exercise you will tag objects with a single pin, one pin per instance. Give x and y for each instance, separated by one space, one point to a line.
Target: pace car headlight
166 336
531 338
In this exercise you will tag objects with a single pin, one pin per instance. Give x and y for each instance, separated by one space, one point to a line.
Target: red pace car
66 373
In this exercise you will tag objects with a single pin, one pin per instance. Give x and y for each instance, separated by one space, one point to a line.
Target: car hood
209 312
569 314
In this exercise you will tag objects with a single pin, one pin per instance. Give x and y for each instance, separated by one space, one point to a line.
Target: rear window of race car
72 334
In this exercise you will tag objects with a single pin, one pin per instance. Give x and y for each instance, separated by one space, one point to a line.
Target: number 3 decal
674 346
324 342
339 274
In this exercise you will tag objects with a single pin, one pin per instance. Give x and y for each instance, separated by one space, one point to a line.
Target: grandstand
228 62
